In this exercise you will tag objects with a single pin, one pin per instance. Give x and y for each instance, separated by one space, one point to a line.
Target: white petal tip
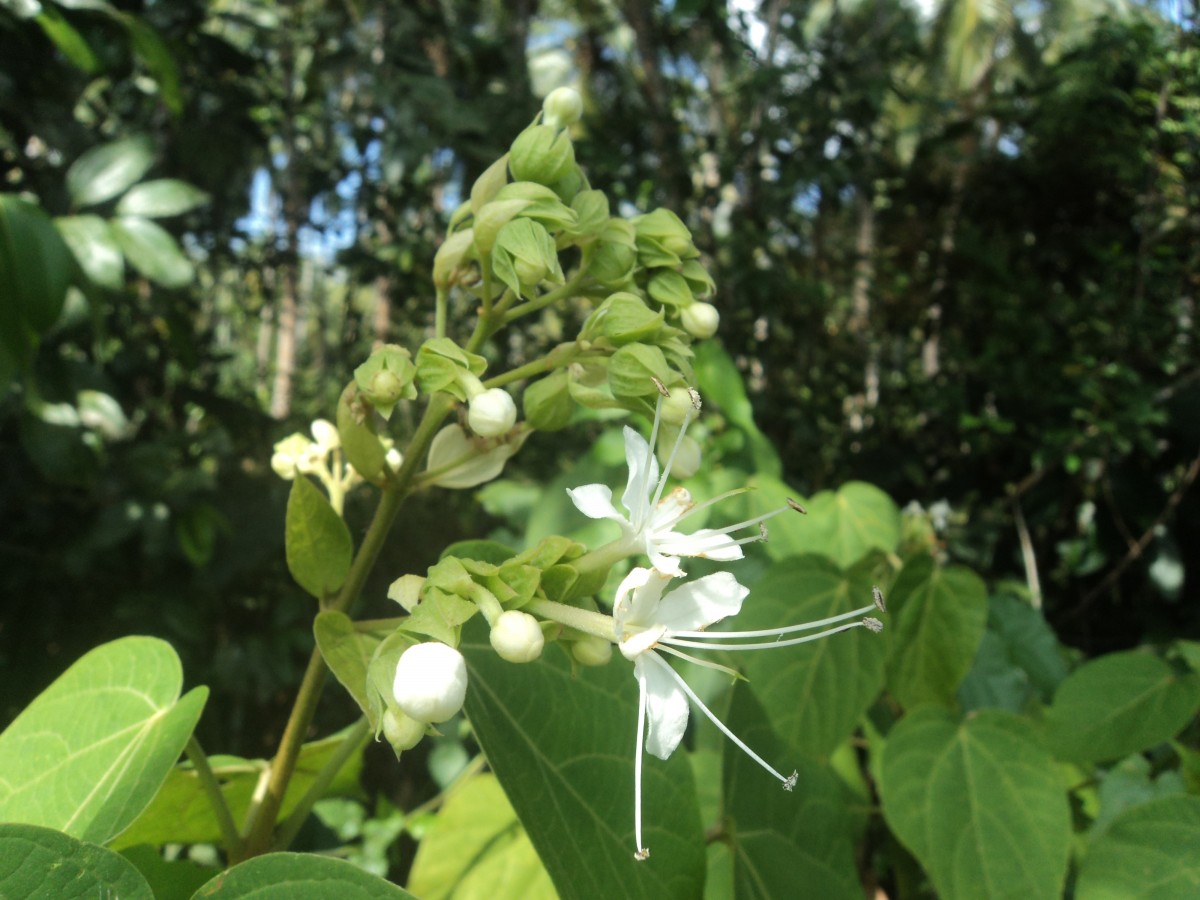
642 854
789 783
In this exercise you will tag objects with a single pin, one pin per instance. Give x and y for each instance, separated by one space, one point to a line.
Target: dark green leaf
35 270
174 879
1150 852
105 171
289 876
318 543
153 252
158 61
979 804
42 864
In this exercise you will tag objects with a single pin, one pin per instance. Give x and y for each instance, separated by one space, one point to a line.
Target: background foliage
956 255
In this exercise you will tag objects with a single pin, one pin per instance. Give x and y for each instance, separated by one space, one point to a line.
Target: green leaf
105 171
318 543
42 864
347 652
95 248
477 850
978 803
1029 642
72 44
814 693
288 876
939 615
181 812
847 524
721 383
153 252
161 198
158 61
562 746
175 879
780 839
1119 704
89 754
1149 853
35 271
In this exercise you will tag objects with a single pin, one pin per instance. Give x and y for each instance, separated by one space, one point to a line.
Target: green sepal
452 257
386 378
670 289
632 368
541 154
361 445
524 256
547 402
440 362
487 185
623 318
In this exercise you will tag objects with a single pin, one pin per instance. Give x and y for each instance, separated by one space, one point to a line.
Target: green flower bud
562 107
544 207
633 368
452 258
542 154
548 404
401 731
623 318
591 210
700 320
669 288
524 256
517 637
668 231
487 185
442 365
698 279
386 378
591 651
677 407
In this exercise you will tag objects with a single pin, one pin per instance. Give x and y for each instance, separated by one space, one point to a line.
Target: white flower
517 637
653 518
647 621
431 682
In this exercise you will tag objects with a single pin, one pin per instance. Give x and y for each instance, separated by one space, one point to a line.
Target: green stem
560 357
350 745
583 620
439 312
530 306
212 790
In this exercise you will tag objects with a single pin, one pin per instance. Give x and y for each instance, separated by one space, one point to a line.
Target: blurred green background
956 249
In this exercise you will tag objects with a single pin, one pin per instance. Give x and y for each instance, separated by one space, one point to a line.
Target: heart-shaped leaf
814 693
43 864
939 615
979 804
562 746
1119 704
89 754
287 876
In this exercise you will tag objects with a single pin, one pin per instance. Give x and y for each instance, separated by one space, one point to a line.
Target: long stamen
767 632
662 481
711 501
706 663
658 660
642 851
767 645
643 485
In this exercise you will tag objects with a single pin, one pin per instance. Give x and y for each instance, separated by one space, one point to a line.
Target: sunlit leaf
95 248
153 252
476 849
89 754
43 864
288 876
846 524
105 171
979 803
1119 704
161 198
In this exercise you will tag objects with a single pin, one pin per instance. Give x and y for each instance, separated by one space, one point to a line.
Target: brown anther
877 596
797 507
662 388
873 624
762 532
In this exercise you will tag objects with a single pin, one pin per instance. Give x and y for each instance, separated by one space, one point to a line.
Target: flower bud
386 378
541 154
592 651
492 413
517 637
402 732
525 255
431 682
548 404
288 454
562 107
687 458
325 434
677 407
700 320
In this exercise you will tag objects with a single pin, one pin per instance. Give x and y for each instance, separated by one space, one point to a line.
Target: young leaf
815 693
317 542
939 615
42 864
562 746
153 252
286 876
105 171
1119 704
979 804
89 754
1149 853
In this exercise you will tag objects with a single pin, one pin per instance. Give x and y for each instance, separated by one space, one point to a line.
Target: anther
877 596
873 624
662 388
790 782
644 853
797 507
694 396
762 532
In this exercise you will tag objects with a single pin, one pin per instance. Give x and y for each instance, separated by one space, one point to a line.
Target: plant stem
523 309
351 744
212 789
583 620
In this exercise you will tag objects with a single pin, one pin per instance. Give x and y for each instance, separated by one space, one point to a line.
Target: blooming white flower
651 525
646 620
431 682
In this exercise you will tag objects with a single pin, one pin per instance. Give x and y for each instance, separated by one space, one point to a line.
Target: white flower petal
595 501
702 602
706 543
642 478
635 604
666 704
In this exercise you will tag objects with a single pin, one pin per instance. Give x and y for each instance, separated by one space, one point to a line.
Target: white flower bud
562 107
700 320
431 682
326 434
517 637
492 413
402 732
687 458
283 465
592 651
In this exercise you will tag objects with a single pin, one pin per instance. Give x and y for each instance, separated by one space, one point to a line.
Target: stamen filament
662 482
658 660
707 663
767 632
711 501
765 645
746 524
642 851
